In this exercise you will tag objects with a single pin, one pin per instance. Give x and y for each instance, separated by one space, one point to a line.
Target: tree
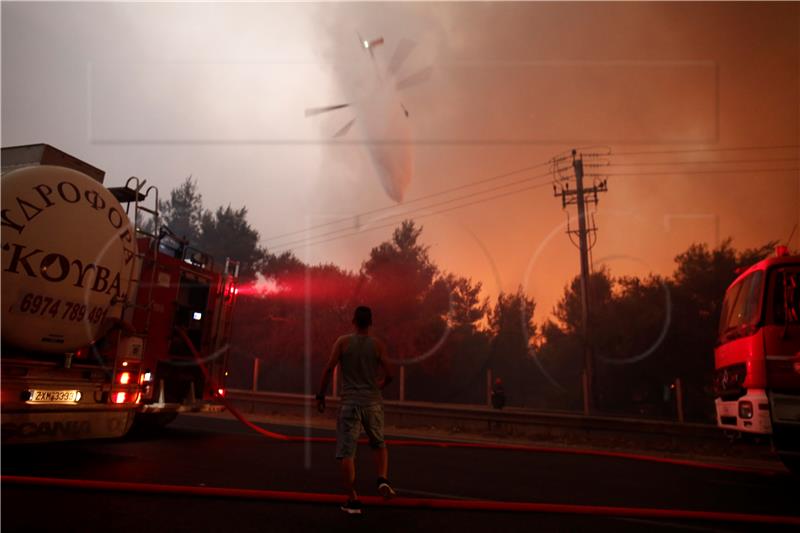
466 308
276 266
568 309
512 329
645 332
410 303
183 212
559 357
225 233
633 365
703 274
457 372
626 337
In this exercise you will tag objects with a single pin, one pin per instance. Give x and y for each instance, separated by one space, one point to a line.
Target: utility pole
588 366
581 196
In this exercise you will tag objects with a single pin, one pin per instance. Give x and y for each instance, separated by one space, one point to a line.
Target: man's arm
336 354
384 362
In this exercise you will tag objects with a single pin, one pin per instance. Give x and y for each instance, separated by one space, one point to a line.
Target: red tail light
120 397
124 378
221 393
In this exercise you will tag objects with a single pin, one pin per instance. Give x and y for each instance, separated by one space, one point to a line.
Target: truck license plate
54 396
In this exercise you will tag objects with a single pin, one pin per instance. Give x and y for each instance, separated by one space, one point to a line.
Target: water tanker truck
68 259
104 323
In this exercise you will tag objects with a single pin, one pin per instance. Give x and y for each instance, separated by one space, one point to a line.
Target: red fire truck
757 359
98 313
184 306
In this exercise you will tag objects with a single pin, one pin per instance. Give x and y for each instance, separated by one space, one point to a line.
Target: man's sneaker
352 507
385 488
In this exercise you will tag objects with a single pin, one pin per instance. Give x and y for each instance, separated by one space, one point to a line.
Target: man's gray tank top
360 360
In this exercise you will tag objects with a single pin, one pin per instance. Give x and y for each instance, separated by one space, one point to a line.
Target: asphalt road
210 452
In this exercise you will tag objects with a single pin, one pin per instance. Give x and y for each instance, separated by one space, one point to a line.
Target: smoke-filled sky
218 91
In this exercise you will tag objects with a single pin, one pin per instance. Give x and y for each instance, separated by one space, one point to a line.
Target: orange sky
218 91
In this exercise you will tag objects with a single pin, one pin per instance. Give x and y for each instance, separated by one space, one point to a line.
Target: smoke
382 118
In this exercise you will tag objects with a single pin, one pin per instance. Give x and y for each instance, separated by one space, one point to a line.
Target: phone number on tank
55 308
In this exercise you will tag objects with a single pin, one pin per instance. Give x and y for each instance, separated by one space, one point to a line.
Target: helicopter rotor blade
311 111
344 129
418 77
401 53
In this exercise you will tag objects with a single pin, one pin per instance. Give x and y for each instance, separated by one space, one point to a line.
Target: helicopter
383 118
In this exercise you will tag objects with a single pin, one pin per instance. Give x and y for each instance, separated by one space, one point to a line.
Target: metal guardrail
479 418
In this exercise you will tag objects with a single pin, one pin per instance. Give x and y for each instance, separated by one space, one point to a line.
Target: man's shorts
348 427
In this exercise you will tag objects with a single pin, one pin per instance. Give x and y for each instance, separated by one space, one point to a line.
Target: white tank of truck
68 254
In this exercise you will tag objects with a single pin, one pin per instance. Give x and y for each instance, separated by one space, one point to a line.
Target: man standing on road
361 356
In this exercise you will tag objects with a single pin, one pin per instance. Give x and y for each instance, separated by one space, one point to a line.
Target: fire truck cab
757 358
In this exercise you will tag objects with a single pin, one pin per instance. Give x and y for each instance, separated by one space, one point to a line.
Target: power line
558 157
668 172
717 162
419 209
694 150
348 232
318 239
313 242
415 200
